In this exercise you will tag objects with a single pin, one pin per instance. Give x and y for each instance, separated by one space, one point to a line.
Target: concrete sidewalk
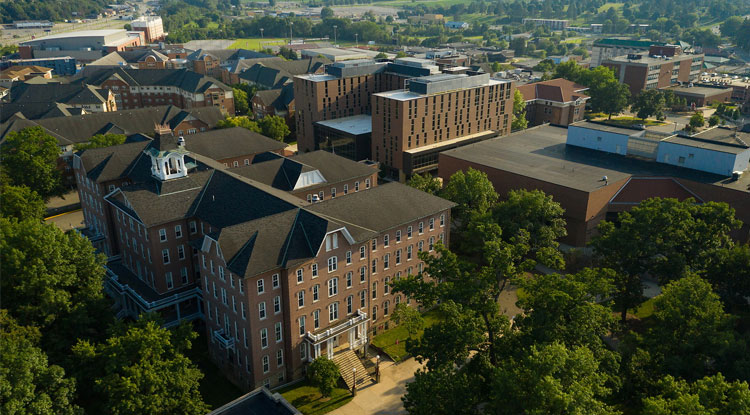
384 397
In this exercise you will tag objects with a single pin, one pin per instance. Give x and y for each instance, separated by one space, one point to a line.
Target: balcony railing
340 328
119 287
224 340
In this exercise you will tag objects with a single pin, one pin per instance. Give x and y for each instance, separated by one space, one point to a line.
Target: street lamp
334 35
354 381
356 39
290 32
377 369
261 32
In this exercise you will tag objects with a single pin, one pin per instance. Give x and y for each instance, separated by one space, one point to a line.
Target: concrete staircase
348 360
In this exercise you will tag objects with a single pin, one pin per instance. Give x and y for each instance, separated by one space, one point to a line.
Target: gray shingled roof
230 142
74 94
382 207
181 78
80 128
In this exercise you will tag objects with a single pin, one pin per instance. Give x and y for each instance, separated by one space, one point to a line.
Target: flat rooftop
354 125
607 128
317 77
332 51
541 153
406 95
702 91
707 144
648 60
82 33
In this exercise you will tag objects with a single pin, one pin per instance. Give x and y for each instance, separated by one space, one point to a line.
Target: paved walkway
384 397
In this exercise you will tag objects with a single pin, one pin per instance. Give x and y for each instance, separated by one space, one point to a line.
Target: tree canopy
323 373
102 140
239 121
274 126
21 203
426 183
519 112
29 158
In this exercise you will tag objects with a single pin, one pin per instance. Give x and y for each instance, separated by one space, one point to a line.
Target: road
67 221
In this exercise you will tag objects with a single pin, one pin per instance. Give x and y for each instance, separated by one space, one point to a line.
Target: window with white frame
276 304
316 292
362 252
234 305
398 256
213 284
165 255
362 274
300 277
386 261
263 338
333 287
349 304
374 290
277 332
221 272
162 235
432 243
314 268
261 286
408 231
362 298
275 281
374 245
356 186
301 322
332 264
333 312
223 296
367 183
184 275
442 220
243 310
303 351
301 299
181 252
386 306
386 286
386 241
398 236
262 310
333 192
346 188
193 227
316 319
374 266
420 228
432 228
332 242
374 313
170 283
244 338
266 365
349 279
178 231
280 361
409 250
242 285
420 246
348 257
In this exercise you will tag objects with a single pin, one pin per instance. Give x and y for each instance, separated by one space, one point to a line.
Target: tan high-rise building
345 91
435 113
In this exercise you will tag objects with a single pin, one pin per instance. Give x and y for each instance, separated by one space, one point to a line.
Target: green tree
697 120
426 183
409 317
442 391
28 384
29 158
288 53
736 114
381 55
141 369
551 379
649 102
8 50
519 112
101 140
729 274
714 120
21 203
534 212
240 121
731 26
323 374
691 330
326 13
472 191
665 237
710 395
241 104
274 126
401 54
47 274
569 70
610 97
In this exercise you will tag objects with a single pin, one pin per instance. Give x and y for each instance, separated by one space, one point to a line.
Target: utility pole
335 41
356 39
290 32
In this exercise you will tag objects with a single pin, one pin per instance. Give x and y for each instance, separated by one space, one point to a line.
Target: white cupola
167 156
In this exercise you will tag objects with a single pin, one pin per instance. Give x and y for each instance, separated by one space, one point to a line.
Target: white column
178 311
351 337
329 350
317 350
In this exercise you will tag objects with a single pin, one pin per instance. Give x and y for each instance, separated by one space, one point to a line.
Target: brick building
557 101
88 98
640 71
279 281
438 112
21 73
595 171
151 26
139 88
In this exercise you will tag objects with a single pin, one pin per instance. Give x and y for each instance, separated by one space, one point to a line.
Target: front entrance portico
350 334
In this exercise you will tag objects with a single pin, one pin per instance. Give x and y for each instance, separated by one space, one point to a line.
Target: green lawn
631 121
215 388
386 341
606 6
644 310
256 43
308 400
